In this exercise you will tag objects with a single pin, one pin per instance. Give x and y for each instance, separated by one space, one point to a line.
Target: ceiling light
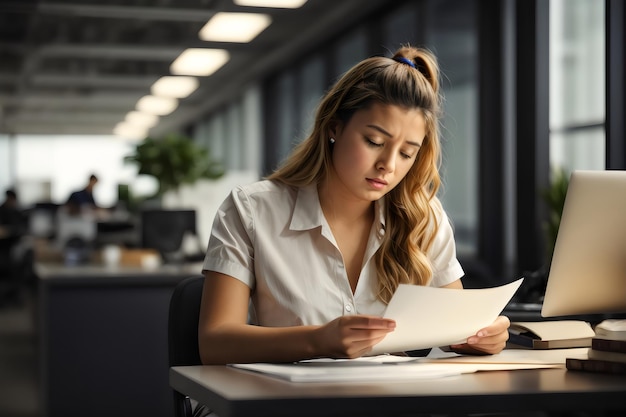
159 106
234 27
279 4
199 61
128 131
140 119
174 86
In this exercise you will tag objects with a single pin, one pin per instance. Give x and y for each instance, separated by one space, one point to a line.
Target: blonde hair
411 221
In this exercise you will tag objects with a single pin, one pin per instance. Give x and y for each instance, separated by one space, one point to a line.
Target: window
577 85
452 35
312 84
350 50
286 117
233 134
401 27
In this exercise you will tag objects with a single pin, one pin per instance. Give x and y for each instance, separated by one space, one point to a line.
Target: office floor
18 357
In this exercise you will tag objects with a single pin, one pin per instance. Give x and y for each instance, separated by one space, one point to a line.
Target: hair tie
405 61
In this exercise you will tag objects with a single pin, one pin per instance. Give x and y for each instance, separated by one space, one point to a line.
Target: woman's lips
377 183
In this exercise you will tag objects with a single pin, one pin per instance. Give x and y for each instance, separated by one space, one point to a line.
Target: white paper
363 360
374 372
361 371
512 357
428 317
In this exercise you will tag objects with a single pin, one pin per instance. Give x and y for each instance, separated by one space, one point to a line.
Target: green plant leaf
554 197
174 160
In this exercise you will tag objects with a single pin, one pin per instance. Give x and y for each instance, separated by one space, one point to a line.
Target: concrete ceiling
79 66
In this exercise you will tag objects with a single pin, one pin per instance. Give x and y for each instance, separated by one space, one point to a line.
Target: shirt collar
307 213
379 209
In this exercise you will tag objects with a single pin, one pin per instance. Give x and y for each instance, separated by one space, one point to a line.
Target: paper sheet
363 360
437 364
374 372
429 317
511 356
357 370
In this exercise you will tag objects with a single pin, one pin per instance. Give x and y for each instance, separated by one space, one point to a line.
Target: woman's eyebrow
380 129
384 132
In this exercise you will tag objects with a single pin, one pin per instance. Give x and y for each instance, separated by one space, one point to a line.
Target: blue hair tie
406 61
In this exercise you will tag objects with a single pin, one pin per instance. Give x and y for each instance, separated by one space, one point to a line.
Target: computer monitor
588 270
164 230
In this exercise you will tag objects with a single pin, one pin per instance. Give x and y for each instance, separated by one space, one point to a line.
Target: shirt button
348 308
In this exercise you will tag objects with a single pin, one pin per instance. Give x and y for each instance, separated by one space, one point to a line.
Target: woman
301 265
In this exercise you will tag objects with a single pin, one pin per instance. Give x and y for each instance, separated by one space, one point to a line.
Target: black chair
183 333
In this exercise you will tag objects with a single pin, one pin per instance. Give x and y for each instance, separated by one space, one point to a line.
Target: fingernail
472 340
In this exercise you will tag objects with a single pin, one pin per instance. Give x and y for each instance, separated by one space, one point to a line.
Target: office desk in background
103 339
232 392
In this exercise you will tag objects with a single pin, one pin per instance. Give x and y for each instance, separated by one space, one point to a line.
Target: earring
332 140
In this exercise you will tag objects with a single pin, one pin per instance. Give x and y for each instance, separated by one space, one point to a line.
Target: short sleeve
230 250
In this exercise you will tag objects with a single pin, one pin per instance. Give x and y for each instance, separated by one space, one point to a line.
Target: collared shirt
275 239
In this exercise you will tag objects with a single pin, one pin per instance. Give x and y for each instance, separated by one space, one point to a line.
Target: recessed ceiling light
128 131
159 106
199 61
174 86
140 119
279 4
234 27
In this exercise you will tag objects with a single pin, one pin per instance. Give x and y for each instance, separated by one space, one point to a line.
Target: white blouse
275 239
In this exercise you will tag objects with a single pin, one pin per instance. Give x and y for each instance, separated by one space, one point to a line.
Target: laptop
588 270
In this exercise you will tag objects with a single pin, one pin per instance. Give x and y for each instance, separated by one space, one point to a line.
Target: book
595 365
606 355
608 345
612 329
557 334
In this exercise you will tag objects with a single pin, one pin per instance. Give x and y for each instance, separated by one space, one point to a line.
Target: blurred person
16 249
13 221
84 197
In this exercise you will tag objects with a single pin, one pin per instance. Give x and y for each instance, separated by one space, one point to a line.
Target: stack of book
608 350
557 334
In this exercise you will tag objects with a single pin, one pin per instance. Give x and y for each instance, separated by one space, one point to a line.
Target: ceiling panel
78 66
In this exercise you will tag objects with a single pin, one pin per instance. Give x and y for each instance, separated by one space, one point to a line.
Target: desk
103 339
237 393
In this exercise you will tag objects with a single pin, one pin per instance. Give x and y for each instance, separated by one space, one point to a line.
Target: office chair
183 320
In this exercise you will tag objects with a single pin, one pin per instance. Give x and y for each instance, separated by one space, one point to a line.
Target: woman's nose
387 162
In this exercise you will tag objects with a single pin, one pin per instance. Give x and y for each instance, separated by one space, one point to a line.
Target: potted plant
534 286
174 160
554 197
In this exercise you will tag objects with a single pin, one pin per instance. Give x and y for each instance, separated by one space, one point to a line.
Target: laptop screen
588 270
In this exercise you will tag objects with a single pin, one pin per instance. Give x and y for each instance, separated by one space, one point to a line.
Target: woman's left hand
487 341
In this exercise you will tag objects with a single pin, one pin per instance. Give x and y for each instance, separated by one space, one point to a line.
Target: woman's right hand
352 336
